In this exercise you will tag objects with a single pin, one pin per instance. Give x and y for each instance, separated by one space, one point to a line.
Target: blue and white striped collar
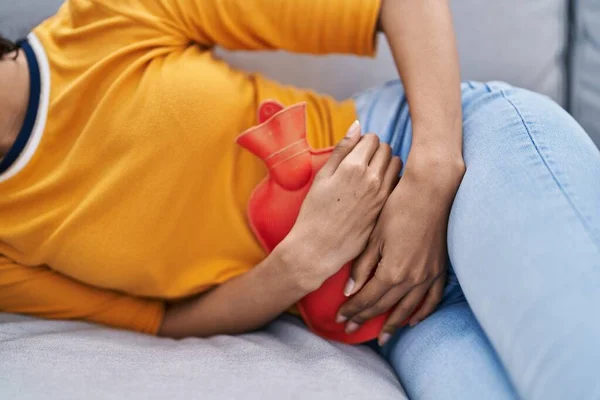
32 130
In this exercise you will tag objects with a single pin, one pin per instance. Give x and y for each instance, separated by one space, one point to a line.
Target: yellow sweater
131 190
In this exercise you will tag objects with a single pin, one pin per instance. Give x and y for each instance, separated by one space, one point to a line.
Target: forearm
422 39
243 304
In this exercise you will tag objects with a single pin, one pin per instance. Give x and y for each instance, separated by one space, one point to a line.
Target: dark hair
7 46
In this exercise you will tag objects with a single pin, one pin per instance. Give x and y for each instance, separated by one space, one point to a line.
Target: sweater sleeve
306 26
41 292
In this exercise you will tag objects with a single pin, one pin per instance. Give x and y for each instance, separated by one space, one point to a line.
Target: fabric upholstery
73 360
521 42
585 67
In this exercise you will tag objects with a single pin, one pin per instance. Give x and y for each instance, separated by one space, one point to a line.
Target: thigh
524 239
447 356
524 231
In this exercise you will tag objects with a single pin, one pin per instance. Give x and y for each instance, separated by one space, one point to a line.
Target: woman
123 195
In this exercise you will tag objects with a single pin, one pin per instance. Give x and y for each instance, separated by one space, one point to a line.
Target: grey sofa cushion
71 360
585 89
523 42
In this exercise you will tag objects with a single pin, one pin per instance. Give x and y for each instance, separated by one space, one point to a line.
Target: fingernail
340 319
352 327
349 287
353 130
384 338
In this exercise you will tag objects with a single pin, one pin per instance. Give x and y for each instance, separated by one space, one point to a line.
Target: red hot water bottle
280 141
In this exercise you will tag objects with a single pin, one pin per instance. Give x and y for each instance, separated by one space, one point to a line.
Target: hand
341 208
407 250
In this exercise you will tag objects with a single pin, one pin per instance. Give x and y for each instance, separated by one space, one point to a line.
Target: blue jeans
521 312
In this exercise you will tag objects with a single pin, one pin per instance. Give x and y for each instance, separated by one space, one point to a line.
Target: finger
343 148
390 179
383 305
432 300
364 151
402 312
362 268
381 159
369 295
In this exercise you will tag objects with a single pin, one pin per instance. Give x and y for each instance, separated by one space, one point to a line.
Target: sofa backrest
522 42
519 41
585 67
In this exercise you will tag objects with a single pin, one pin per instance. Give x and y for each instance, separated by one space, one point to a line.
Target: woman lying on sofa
123 193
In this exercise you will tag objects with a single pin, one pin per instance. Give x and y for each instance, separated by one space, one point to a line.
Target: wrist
438 169
297 259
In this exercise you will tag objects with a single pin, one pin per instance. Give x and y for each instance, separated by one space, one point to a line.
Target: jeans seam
566 195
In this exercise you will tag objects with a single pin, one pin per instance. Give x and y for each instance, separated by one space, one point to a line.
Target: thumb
343 148
362 268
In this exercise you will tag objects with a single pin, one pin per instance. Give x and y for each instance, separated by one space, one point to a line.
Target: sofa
550 46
